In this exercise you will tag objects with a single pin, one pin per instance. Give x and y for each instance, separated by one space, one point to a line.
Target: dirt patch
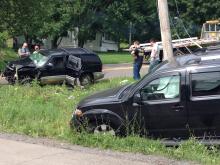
132 157
3 81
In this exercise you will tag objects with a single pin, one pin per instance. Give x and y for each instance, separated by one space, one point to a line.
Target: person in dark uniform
137 54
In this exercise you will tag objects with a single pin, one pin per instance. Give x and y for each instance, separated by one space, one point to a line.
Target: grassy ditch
115 57
46 111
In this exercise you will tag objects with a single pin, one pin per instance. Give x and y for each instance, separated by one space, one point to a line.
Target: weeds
46 112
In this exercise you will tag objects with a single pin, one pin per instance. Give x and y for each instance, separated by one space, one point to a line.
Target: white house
102 42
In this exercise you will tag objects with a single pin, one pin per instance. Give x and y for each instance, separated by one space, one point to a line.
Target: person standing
36 49
137 54
15 43
154 57
24 51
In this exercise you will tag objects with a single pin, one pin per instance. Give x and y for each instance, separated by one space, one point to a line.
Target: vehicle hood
25 62
104 97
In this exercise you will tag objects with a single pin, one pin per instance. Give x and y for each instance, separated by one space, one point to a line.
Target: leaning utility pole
165 30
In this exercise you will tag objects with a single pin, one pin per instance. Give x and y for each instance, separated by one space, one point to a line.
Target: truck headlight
78 113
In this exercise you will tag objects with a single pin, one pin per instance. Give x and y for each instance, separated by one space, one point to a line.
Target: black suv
171 101
55 66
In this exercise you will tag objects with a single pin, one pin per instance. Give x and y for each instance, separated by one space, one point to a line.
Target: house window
107 37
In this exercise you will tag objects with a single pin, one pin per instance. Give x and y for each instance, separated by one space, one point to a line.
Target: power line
172 24
184 27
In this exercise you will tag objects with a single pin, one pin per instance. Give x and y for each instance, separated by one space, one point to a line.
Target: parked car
54 66
172 101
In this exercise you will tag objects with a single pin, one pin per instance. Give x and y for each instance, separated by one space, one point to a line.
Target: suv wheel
86 80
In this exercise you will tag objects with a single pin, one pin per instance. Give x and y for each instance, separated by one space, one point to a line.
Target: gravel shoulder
38 150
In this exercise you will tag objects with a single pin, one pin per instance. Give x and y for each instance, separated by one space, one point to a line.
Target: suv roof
77 50
60 51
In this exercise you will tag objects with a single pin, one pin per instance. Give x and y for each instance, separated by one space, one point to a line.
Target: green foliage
3 38
53 18
22 17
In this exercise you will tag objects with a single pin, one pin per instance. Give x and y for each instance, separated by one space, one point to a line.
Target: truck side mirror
49 65
137 98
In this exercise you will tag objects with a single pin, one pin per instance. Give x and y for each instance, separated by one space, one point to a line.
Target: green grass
46 112
115 57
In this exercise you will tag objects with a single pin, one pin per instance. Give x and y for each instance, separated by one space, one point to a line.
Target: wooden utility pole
165 31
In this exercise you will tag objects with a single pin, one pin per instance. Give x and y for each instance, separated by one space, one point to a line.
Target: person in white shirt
154 57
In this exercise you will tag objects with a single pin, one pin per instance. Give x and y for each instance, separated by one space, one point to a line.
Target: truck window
58 62
205 84
162 88
74 63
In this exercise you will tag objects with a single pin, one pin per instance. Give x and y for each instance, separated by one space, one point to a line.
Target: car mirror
49 65
137 98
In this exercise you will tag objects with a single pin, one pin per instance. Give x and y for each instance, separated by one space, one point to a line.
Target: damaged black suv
56 66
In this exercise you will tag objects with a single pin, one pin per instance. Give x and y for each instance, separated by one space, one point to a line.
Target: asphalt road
23 150
122 70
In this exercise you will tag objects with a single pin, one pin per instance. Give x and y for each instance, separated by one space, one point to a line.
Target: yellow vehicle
211 30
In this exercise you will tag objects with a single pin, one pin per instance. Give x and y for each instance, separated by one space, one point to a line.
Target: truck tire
86 79
26 81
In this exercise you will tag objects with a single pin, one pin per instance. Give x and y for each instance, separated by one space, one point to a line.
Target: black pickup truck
55 66
172 101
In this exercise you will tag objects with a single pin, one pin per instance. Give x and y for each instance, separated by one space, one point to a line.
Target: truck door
54 71
164 105
73 66
204 105
55 66
74 63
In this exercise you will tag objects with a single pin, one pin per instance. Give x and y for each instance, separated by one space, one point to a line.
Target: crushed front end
10 73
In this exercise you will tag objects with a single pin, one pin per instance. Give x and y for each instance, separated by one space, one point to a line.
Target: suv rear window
204 84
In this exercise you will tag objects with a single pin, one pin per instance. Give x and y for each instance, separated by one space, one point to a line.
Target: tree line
118 18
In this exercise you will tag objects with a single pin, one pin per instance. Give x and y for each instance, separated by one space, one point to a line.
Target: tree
22 17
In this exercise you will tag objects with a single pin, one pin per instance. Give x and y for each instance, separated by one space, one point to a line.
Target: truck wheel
101 128
86 80
26 81
104 129
178 53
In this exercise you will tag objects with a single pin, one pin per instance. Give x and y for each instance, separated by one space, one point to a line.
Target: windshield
38 59
131 86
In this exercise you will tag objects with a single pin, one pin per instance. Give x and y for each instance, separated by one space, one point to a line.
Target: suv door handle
177 107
